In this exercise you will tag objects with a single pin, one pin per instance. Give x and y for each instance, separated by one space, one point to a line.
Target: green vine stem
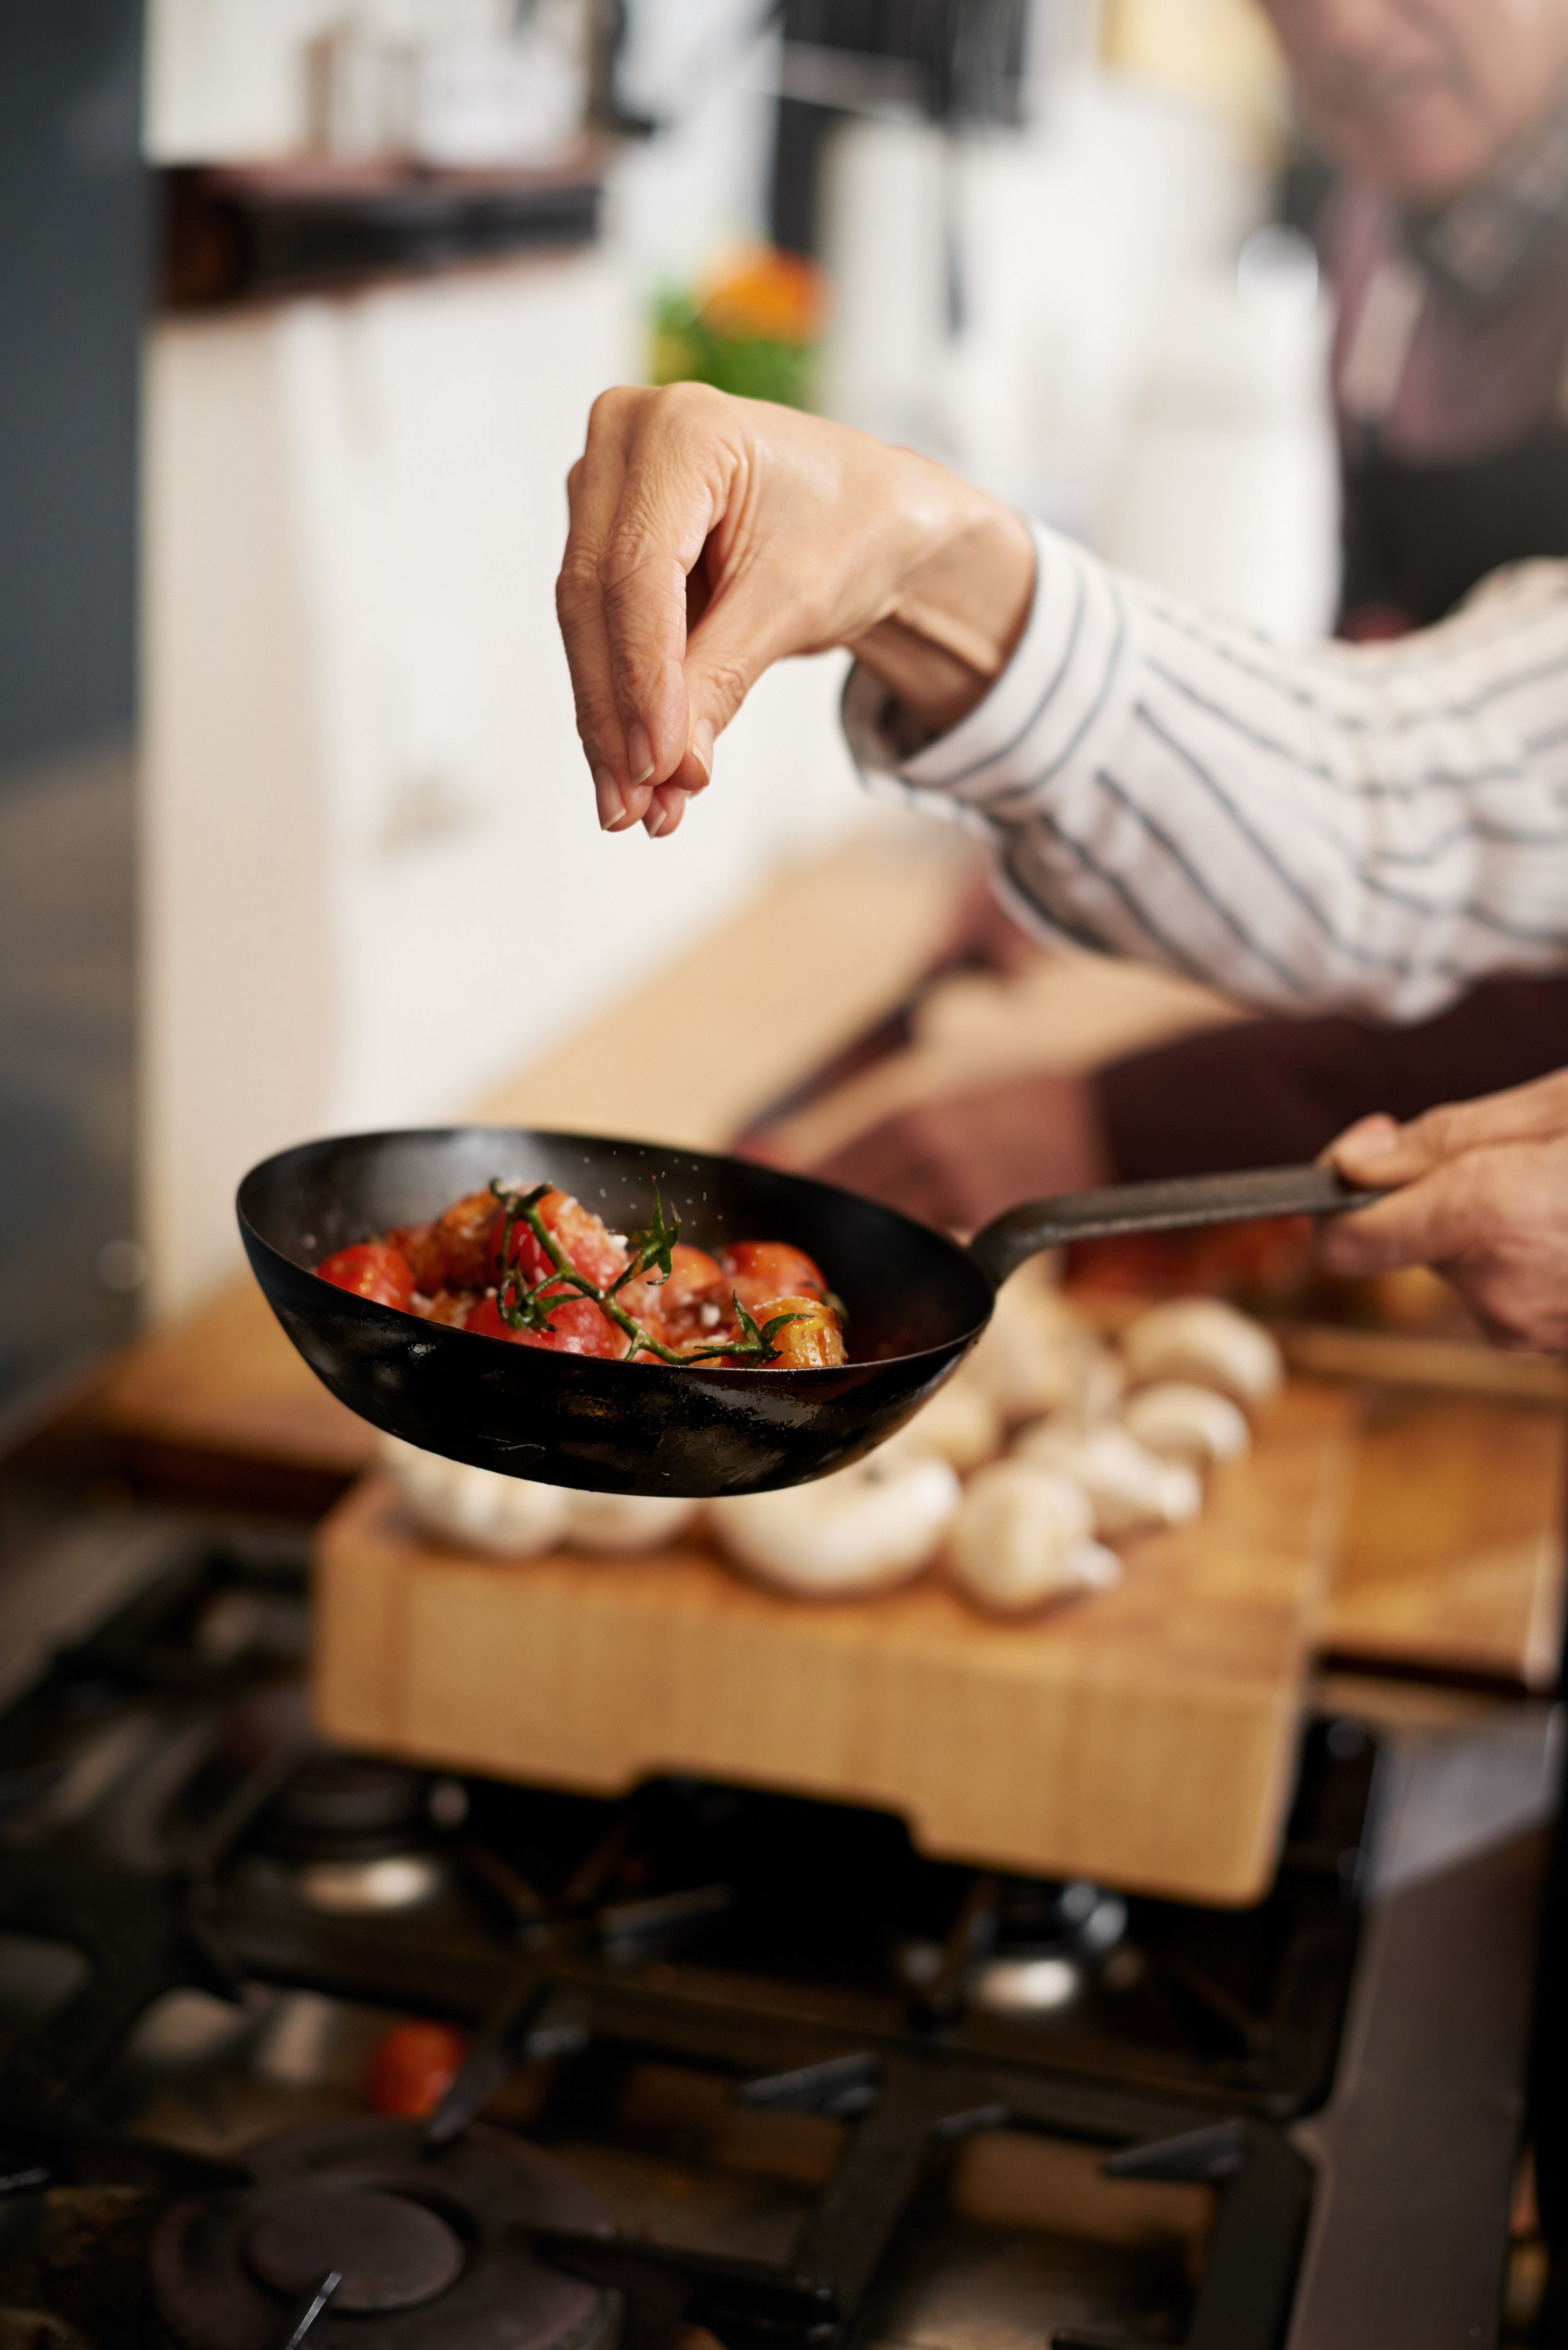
530 1309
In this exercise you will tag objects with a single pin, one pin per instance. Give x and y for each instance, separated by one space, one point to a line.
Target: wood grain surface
224 1380
1451 1559
1452 1553
1145 1735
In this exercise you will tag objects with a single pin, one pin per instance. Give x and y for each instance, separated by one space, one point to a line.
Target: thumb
1377 1150
710 695
754 620
685 703
1377 1153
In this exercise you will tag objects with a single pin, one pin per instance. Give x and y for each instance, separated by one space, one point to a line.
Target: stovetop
733 2059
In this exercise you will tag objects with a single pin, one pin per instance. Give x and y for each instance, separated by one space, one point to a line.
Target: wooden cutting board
1451 1559
1145 1736
1452 1555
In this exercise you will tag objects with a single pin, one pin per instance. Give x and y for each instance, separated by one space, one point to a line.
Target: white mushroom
1023 1537
1183 1422
1098 1383
1201 1339
1128 1486
861 1529
1028 1360
625 1525
961 1424
501 1517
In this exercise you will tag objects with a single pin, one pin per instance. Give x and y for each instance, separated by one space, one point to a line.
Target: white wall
1109 371
373 880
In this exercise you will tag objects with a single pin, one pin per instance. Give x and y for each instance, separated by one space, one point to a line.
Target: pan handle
1176 1203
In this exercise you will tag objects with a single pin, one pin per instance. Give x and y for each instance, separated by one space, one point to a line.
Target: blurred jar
1226 490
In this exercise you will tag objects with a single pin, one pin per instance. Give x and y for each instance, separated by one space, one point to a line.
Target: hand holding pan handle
1175 1203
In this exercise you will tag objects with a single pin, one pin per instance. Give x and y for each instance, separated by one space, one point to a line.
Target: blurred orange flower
751 326
776 297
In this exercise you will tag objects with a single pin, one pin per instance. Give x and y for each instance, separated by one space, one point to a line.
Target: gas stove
730 2059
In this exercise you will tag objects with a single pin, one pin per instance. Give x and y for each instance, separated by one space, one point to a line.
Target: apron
1418 538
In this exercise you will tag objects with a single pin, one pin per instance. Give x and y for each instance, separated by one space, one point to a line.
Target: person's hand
1482 1195
711 537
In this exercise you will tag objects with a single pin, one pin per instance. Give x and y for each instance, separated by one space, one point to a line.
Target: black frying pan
917 1303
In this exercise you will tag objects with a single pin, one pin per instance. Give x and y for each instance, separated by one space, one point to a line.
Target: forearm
1370 827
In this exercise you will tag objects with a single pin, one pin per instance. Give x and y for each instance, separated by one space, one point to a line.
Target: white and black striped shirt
1366 827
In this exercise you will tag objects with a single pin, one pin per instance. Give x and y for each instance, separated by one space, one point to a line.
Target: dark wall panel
73 268
72 276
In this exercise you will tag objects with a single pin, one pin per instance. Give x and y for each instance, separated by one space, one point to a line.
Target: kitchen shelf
236 233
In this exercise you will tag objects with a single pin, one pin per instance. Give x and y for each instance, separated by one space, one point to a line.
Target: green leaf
653 1246
526 1310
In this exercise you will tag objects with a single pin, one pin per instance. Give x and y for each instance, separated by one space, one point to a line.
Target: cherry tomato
597 1253
413 1242
372 1269
455 1252
412 2068
644 1301
694 1305
576 1324
759 1270
577 1327
811 1342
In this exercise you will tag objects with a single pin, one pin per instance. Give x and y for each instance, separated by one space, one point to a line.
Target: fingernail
655 820
639 752
701 747
611 805
1376 1139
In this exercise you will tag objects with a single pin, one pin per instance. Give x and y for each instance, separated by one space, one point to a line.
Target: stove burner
433 2250
1037 1946
1047 1939
352 1889
348 1807
389 2252
1023 1986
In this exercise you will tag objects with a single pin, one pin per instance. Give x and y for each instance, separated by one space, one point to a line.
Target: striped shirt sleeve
1364 828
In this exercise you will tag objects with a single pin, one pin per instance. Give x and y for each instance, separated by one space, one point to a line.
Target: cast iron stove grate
799 1955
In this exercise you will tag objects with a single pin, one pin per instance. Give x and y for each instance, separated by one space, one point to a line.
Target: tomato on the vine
577 1327
455 1252
372 1269
694 1305
450 1270
813 1341
597 1253
760 1270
